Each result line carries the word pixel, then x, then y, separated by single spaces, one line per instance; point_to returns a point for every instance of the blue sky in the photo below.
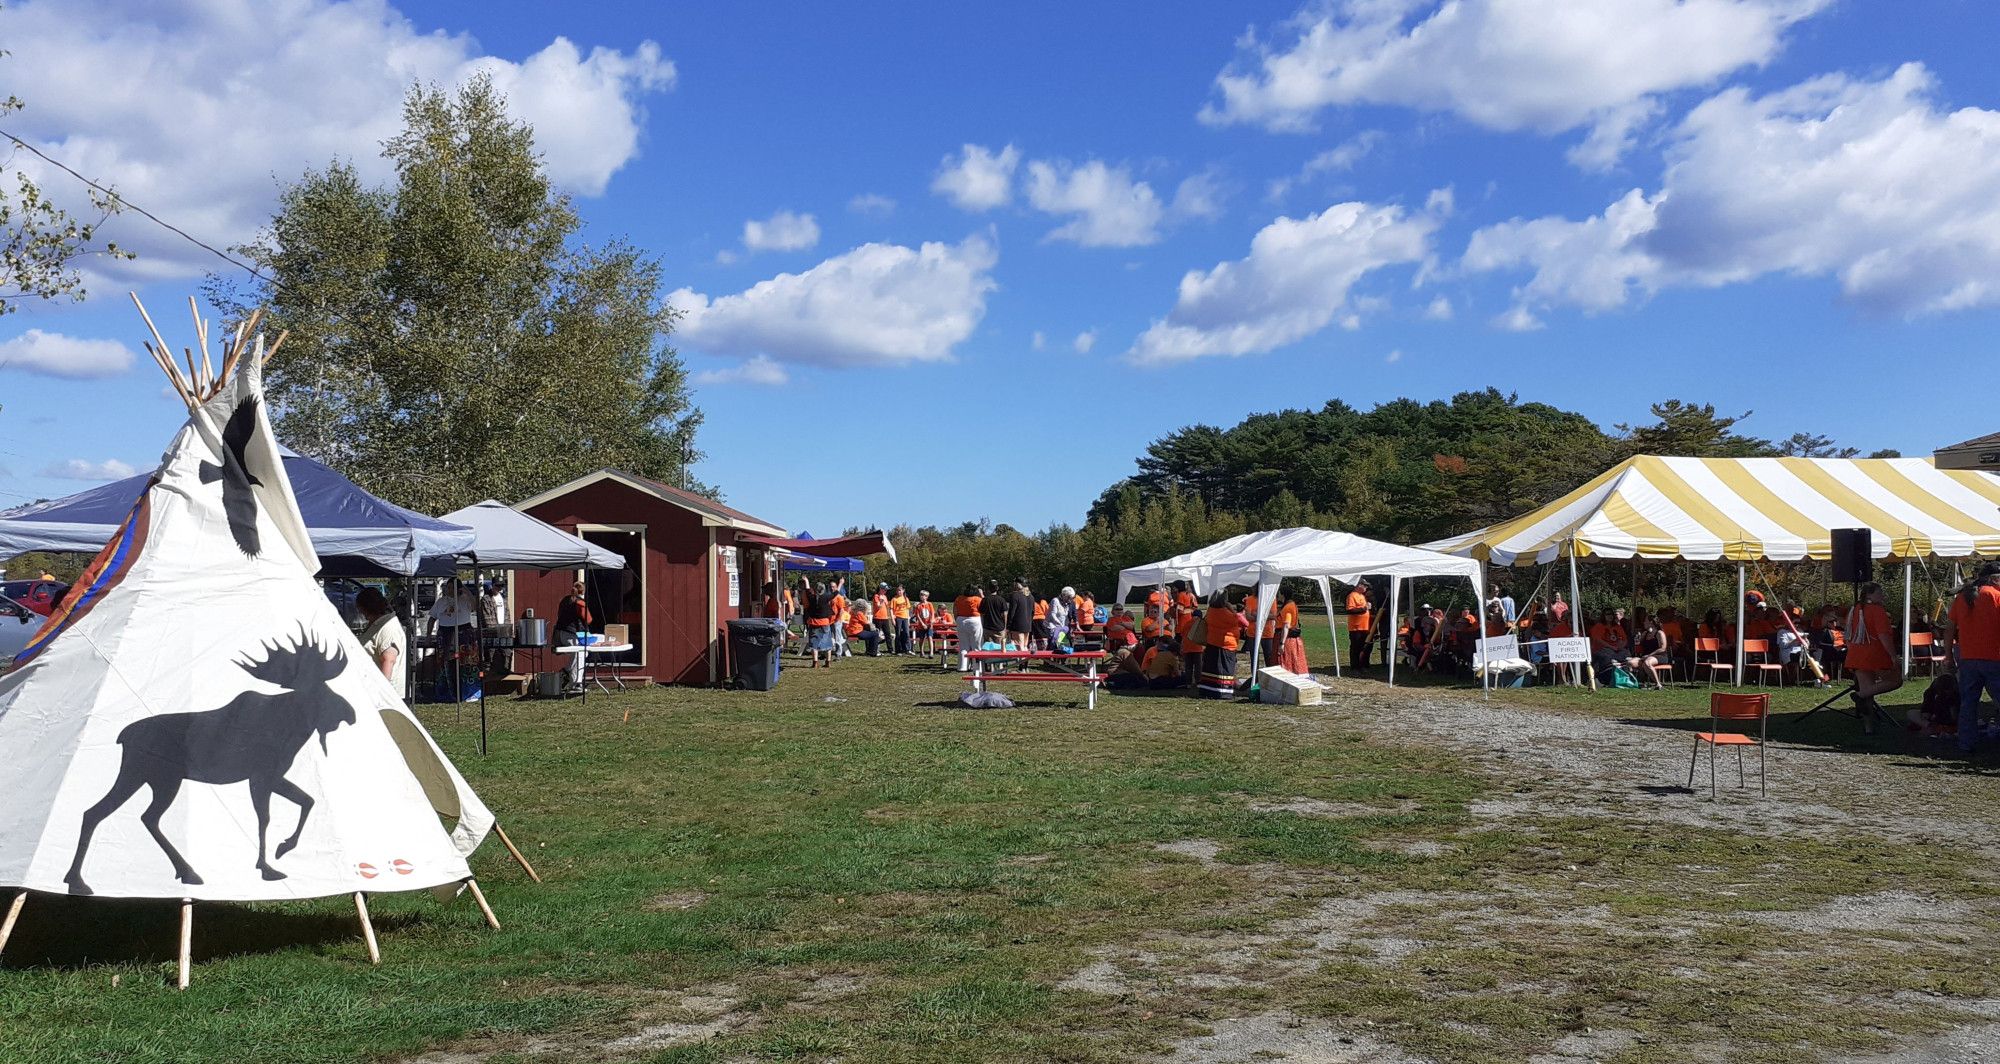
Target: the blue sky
pixel 1083 228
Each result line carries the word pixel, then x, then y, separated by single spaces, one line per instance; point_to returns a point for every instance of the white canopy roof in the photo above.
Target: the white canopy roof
pixel 1261 559
pixel 506 538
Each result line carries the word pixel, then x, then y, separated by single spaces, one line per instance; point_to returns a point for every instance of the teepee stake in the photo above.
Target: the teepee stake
pixel 504 840
pixel 187 939
pixel 473 885
pixel 367 928
pixel 13 914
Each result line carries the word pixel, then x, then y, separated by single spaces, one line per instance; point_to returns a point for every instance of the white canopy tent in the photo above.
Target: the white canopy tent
pixel 506 538
pixel 1262 559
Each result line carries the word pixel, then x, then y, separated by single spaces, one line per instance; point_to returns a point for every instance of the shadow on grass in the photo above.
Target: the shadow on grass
pixel 62 932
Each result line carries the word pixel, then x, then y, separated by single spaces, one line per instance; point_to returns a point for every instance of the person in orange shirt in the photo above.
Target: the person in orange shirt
pixel 858 627
pixel 899 616
pixel 1222 635
pixel 1267 650
pixel 1185 605
pixel 1871 654
pixel 1608 636
pixel 1156 599
pixel 1083 613
pixel 1360 619
pixel 924 622
pixel 1118 629
pixel 971 630
pixel 1975 634
pixel 1291 645
pixel 839 626
pixel 1150 626
pixel 879 609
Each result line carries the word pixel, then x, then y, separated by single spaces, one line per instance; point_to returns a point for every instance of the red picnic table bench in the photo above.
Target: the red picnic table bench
pixel 1063 662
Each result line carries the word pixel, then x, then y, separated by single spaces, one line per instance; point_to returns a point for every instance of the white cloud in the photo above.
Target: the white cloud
pixel 1544 65
pixel 783 231
pixel 1109 209
pixel 1394 356
pixel 877 305
pixel 1868 182
pixel 872 205
pixel 1338 159
pixel 978 179
pixel 55 355
pixel 1439 309
pixel 1084 341
pixel 1039 341
pixel 1199 196
pixel 196 110
pixel 1294 283
pixel 83 469
pixel 759 369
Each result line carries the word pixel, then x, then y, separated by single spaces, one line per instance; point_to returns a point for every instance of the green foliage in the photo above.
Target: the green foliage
pixel 64 567
pixel 450 339
pixel 39 240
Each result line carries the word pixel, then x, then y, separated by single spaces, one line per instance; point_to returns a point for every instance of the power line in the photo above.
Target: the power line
pixel 121 202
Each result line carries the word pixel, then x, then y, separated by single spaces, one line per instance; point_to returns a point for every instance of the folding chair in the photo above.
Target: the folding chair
pixel 1763 665
pixel 1714 664
pixel 1731 707
pixel 1924 651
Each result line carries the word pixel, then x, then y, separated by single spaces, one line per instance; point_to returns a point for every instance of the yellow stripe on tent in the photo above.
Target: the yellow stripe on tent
pixel 1903 545
pixel 1773 507
pixel 1737 544
pixel 1947 516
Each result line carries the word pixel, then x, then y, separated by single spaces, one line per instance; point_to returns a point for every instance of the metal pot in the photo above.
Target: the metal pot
pixel 532 631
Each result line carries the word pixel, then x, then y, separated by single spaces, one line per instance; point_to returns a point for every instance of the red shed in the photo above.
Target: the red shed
pixel 685 575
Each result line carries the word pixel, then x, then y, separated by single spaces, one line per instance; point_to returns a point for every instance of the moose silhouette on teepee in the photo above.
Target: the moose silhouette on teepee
pixel 198 659
pixel 253 739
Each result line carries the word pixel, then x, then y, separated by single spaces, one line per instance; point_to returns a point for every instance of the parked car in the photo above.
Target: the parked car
pixel 18 624
pixel 41 596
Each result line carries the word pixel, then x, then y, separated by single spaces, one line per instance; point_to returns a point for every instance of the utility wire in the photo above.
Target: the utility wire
pixel 121 202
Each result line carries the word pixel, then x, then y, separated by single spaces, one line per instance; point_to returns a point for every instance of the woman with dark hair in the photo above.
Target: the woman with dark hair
pixel 1222 630
pixel 1291 646
pixel 819 625
pixel 1871 654
pixel 572 620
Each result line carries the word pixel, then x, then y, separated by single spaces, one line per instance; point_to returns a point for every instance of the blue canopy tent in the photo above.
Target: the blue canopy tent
pixel 355 533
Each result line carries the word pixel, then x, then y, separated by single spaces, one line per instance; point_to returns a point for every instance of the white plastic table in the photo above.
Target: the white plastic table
pixel 597 677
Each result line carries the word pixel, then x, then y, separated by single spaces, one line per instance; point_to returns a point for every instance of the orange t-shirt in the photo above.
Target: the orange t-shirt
pixel 1869 637
pixel 855 622
pixel 1224 627
pixel 1041 609
pixel 1608 637
pixel 1977 624
pixel 966 605
pixel 899 607
pixel 1288 617
pixel 881 603
pixel 1156 597
pixel 839 605
pixel 1357 622
pixel 1086 610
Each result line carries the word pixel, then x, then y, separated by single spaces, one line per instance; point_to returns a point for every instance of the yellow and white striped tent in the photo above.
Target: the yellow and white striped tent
pixel 1751 509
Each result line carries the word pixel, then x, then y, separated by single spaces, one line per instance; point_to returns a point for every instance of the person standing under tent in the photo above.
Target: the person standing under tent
pixel 1975 634
pixel 1186 621
pixel 819 624
pixel 1360 619
pixel 384 639
pixel 1291 644
pixel 1871 654
pixel 966 614
pixel 899 623
pixel 453 616
pixel 1222 631
pixel 572 620
pixel 842 632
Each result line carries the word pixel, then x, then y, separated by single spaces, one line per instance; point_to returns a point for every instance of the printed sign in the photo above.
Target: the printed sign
pixel 1570 650
pixel 1496 648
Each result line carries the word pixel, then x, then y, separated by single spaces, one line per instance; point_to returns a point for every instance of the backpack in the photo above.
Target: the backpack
pixel 1621 677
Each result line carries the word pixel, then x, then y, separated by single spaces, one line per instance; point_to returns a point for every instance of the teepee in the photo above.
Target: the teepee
pixel 196 722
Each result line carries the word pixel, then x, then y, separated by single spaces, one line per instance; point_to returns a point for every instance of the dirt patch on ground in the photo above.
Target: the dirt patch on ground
pixel 678 1018
pixel 1203 850
pixel 1282 1036
pixel 1316 807
pixel 678 901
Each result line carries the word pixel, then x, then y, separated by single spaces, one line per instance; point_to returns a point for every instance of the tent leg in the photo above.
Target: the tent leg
pixel 367 928
pixel 1907 577
pixel 491 920
pixel 1740 591
pixel 1332 626
pixel 516 851
pixel 187 941
pixel 13 914
pixel 1395 601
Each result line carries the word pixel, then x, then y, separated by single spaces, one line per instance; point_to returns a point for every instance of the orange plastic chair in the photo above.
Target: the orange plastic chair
pixel 1730 707
pixel 1924 651
pixel 1760 649
pixel 1714 664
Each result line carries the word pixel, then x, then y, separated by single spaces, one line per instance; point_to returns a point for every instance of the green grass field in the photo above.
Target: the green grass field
pixel 844 869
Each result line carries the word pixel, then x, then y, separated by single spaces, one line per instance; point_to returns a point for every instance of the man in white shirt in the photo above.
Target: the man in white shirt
pixel 384 639
pixel 453 614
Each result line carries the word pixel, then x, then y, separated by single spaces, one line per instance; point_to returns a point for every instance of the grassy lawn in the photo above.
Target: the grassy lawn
pixel 844 869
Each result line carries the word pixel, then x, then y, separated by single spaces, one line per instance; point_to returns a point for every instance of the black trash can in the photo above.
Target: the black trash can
pixel 755 645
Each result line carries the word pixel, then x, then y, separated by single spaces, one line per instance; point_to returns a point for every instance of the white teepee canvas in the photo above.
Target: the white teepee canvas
pixel 198 722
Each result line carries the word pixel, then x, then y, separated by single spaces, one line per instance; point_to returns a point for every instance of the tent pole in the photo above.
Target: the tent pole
pixel 1906 619
pixel 13 914
pixel 473 885
pixel 515 850
pixel 1740 590
pixel 1395 601
pixel 367 928
pixel 1479 610
pixel 479 667
pixel 1578 624
pixel 187 936
pixel 1326 595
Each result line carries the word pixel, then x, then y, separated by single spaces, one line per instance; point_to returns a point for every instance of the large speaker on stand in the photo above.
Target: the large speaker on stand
pixel 1853 555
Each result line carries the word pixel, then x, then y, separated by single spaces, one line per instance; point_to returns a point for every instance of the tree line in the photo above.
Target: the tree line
pixel 1405 472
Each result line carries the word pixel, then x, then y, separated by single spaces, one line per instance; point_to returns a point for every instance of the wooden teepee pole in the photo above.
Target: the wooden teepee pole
pixel 473 885
pixel 165 355
pixel 511 848
pixel 13 914
pixel 367 928
pixel 187 940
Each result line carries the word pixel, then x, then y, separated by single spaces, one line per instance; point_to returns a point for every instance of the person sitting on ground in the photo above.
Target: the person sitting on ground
pixel 1650 650
pixel 1872 650
pixel 1162 665
pixel 1127 671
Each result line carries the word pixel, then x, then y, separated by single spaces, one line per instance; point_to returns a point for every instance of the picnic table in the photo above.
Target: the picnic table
pixel 1069 667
